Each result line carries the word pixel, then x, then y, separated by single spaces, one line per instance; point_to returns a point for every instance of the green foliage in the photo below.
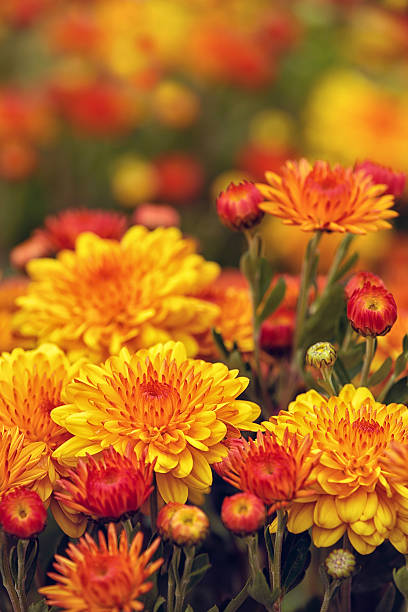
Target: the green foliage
pixel 398 392
pixel 321 325
pixel 387 601
pixel 201 565
pixel 296 558
pixel 381 374
pixel 273 300
pixel 259 590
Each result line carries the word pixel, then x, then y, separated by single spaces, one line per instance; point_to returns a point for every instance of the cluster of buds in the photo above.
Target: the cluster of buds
pixel 371 309
pixel 182 525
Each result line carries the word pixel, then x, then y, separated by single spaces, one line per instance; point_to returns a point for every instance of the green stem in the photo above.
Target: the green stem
pixel 305 282
pixel 8 581
pixel 369 354
pixel 328 594
pixel 386 388
pixel 334 268
pixel 21 572
pixel 277 554
pixel 181 587
pixel 173 578
pixel 327 374
pixel 345 587
pixel 239 599
pixel 128 527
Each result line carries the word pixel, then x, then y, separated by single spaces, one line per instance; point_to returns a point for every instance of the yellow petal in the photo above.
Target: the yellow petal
pixel 327 537
pixel 300 517
pixel 351 508
pixel 359 544
pixel 325 513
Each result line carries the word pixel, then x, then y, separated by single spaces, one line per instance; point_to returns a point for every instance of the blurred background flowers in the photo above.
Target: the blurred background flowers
pixel 115 105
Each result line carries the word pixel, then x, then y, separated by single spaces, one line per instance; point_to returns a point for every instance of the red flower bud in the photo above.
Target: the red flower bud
pixel 372 310
pixel 22 513
pixel 238 206
pixel 243 513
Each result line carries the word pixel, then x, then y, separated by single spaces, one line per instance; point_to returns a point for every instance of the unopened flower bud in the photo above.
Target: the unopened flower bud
pixel 164 517
pixel 358 280
pixel 238 206
pixel 243 513
pixel 22 513
pixel 321 355
pixel 188 526
pixel 340 563
pixel 372 310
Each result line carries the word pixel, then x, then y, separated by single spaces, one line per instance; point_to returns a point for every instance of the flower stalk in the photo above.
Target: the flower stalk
pixel 277 555
pixel 182 584
pixel 369 354
pixel 6 575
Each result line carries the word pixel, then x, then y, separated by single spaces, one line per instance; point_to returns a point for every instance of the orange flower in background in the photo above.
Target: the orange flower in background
pixel 372 310
pixel 351 435
pixel 175 409
pixel 11 288
pixel 108 294
pixel 382 175
pixel 104 575
pixel 180 177
pixel 276 471
pixel 156 215
pixel 61 231
pixel 108 487
pixel 328 199
pixel 22 513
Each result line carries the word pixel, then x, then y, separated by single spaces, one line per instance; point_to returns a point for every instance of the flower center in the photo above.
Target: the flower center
pixel 365 426
pixel 326 182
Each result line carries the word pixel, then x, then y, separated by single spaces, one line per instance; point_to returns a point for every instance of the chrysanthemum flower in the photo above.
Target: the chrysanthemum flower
pixel 21 463
pixel 100 577
pixel 62 230
pixel 108 294
pixel 372 310
pixel 22 513
pixel 353 492
pixel 108 487
pixel 275 471
pixel 31 386
pixel 176 409
pixel 382 175
pixel 243 513
pixel 329 199
pixel 10 289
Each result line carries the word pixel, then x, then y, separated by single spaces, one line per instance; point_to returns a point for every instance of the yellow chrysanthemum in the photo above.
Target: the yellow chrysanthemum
pixel 176 408
pixel 10 289
pixel 108 294
pixel 328 199
pixel 354 494
pixel 31 385
pixel 20 463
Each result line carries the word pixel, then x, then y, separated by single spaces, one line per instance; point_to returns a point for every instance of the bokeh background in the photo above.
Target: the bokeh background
pixel 115 103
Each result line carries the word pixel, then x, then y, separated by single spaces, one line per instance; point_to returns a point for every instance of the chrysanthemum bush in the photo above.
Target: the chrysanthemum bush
pixel 164 405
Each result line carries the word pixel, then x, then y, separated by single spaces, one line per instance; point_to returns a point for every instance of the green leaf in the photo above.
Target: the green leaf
pixel 398 392
pixel 189 608
pixel 214 609
pixel 247 267
pixel 260 591
pixel 201 565
pixel 158 603
pixel 381 374
pixel 273 300
pixel 401 580
pixel 295 559
pixel 219 341
pixel 405 344
pixel 264 275
pixel 321 326
pixel 387 601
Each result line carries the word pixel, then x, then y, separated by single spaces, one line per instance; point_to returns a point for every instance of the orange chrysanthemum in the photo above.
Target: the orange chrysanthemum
pixel 175 409
pixel 354 490
pixel 22 513
pixel 329 199
pixel 32 382
pixel 21 463
pixel 105 577
pixel 108 487
pixel 108 294
pixel 275 471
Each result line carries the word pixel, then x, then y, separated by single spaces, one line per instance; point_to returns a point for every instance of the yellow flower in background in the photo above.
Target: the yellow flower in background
pixel 351 118
pixel 329 199
pixel 108 294
pixel 354 490
pixel 177 410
